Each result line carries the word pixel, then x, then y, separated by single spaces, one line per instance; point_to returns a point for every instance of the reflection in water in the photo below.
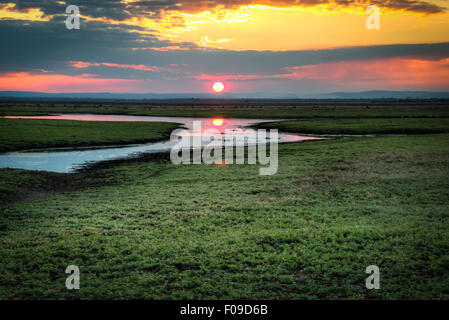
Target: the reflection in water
pixel 69 160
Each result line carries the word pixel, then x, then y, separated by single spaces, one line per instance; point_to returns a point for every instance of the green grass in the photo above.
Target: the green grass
pixel 155 230
pixel 363 126
pixel 237 110
pixel 16 134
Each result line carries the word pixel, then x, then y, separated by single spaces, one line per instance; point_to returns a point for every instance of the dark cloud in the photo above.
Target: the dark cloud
pixel 50 46
pixel 115 9
pixel 199 5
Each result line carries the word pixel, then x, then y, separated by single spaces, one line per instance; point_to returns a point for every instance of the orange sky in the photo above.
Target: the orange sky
pixel 265 25
pixel 258 27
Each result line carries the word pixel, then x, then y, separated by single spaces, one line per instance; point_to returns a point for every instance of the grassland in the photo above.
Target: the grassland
pixel 241 109
pixel 17 134
pixel 149 229
pixel 363 126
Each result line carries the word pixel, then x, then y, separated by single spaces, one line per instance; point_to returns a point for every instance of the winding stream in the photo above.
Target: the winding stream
pixel 67 160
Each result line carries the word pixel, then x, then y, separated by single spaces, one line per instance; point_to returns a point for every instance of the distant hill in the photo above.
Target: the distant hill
pixel 28 95
pixel 379 94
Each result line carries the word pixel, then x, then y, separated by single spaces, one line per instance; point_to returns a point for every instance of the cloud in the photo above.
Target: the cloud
pixel 121 10
pixel 164 25
pixel 122 54
pixel 391 71
pixel 8 11
pixel 142 67
pixel 49 46
pixel 24 81
pixel 400 73
pixel 193 6
pixel 373 72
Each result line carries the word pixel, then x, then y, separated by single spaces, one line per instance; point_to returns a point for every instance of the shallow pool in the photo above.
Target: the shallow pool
pixel 67 160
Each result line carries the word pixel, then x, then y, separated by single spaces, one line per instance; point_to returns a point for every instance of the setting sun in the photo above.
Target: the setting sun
pixel 218 86
pixel 218 122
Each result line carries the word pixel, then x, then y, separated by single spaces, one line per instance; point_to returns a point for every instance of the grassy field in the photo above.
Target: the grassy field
pixel 363 126
pixel 150 229
pixel 17 134
pixel 254 109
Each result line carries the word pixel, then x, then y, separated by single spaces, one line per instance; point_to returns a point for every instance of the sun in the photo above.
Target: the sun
pixel 218 122
pixel 218 86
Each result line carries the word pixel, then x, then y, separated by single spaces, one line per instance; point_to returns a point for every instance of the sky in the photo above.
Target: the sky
pixel 184 46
